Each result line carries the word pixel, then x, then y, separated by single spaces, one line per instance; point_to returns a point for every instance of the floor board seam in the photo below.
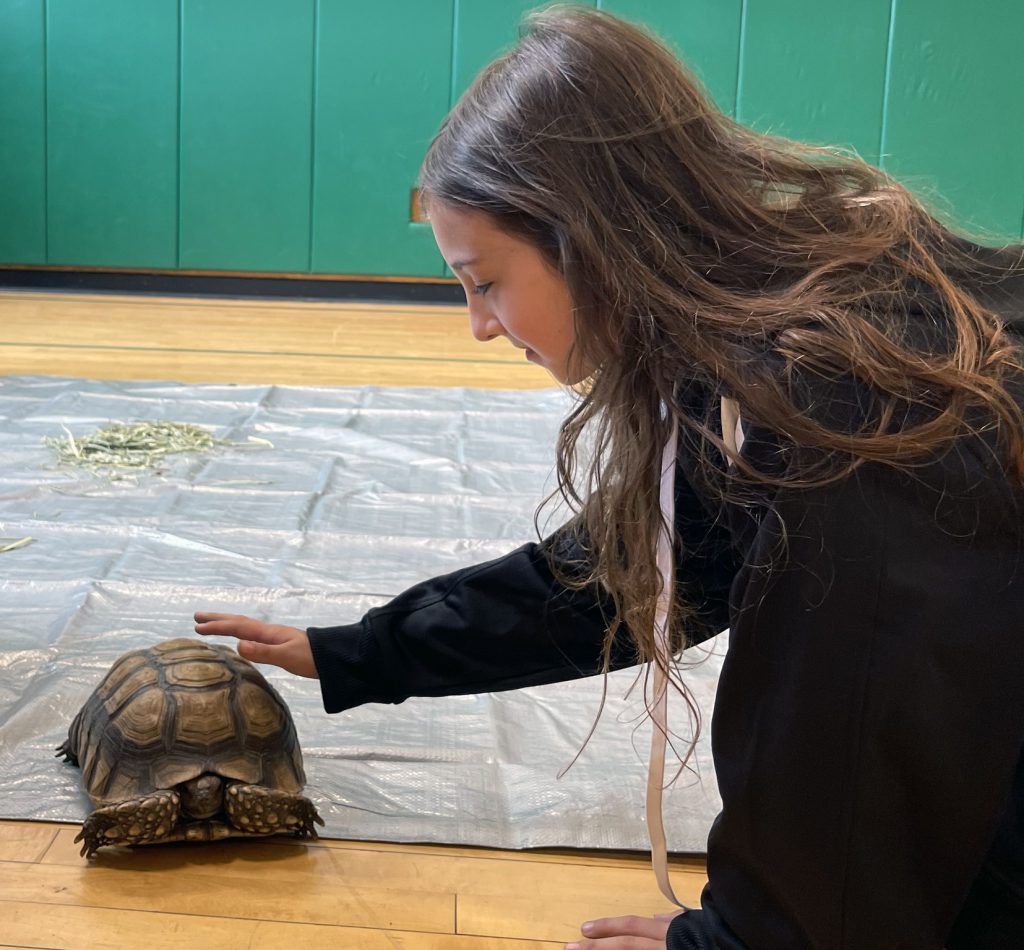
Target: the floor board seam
pixel 236 918
pixel 266 353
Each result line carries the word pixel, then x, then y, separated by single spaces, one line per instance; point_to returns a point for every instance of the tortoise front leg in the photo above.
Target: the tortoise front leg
pixel 265 811
pixel 136 821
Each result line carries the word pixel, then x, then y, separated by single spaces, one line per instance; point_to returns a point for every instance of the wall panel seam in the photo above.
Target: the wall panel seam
pixel 177 139
pixel 740 56
pixel 314 99
pixel 886 85
pixel 46 132
pixel 455 48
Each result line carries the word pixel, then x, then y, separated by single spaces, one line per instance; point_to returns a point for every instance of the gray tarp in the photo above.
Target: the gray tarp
pixel 365 491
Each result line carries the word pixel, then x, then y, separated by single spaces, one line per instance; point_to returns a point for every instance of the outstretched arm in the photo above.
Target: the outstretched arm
pixel 500 625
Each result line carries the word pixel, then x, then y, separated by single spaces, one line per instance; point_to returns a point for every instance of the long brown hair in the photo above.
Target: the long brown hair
pixel 696 249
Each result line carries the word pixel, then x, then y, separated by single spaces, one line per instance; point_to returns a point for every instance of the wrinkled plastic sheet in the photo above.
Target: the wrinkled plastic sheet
pixel 364 492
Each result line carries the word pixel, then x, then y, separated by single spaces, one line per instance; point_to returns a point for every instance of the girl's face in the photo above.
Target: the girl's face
pixel 511 289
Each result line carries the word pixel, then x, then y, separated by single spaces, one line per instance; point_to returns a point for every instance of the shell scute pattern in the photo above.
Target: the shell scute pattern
pixel 199 674
pixel 127 686
pixel 144 720
pixel 262 716
pixel 206 720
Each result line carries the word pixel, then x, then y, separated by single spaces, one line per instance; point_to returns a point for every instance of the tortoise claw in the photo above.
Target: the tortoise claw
pixel 64 749
pixel 308 815
pixel 96 833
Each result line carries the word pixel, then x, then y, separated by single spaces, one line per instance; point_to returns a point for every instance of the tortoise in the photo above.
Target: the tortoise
pixel 187 741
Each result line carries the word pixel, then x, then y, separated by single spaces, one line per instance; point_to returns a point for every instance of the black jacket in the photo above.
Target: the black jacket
pixel 869 724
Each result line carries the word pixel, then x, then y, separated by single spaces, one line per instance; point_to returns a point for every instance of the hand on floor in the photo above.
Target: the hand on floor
pixel 259 642
pixel 625 933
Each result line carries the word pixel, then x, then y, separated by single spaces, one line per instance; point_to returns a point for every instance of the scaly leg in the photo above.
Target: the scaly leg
pixel 259 810
pixel 136 821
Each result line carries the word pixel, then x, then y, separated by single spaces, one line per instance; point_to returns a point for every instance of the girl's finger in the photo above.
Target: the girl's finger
pixel 227 627
pixel 256 652
pixel 205 616
pixel 632 926
pixel 244 628
pixel 617 943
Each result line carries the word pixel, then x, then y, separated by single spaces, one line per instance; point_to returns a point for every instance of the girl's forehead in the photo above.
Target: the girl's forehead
pixel 466 237
pixel 462 222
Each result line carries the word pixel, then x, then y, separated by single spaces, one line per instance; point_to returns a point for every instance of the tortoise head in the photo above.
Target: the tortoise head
pixel 203 796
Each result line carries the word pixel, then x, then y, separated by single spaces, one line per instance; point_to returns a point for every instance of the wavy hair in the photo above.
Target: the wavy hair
pixel 697 249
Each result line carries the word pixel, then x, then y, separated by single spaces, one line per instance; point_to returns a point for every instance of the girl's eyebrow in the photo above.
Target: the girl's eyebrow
pixel 458 265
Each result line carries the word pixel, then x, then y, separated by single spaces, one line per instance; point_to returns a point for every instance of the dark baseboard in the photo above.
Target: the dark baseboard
pixel 214 285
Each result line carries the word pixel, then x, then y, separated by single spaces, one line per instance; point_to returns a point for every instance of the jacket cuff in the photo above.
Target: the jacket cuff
pixel 339 652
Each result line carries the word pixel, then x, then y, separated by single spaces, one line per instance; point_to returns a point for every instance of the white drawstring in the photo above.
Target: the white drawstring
pixel 732 427
pixel 732 435
pixel 663 649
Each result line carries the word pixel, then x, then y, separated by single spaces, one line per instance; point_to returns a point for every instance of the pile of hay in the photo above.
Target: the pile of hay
pixel 138 445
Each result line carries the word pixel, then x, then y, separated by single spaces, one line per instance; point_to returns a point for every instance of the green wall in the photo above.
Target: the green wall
pixel 284 136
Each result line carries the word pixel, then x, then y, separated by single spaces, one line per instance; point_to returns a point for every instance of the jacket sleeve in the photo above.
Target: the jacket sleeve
pixel 870 714
pixel 509 623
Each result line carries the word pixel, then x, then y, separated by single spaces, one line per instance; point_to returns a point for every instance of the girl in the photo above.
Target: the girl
pixel 834 380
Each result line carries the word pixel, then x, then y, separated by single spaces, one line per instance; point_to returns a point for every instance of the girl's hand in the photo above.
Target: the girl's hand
pixel 286 647
pixel 625 933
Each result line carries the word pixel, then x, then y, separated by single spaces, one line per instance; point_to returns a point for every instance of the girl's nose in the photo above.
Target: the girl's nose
pixel 483 324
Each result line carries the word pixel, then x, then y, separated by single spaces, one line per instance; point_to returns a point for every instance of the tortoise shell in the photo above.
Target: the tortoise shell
pixel 165 715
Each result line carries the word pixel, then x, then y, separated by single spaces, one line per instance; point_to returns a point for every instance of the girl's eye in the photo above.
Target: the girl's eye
pixel 481 289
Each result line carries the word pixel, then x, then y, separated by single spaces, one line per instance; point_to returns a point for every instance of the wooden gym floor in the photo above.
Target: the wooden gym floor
pixel 273 894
